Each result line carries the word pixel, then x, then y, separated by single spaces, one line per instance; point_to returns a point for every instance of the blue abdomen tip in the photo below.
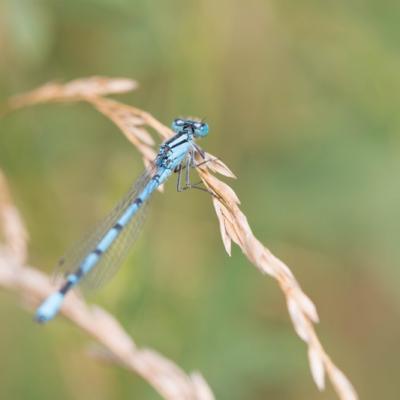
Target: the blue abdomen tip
pixel 49 308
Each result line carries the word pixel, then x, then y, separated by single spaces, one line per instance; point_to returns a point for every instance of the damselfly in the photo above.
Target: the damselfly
pixel 97 257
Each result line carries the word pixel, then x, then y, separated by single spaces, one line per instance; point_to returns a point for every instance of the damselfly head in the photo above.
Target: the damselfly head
pixel 197 128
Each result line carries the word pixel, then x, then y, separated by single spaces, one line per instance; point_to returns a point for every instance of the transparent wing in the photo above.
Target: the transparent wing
pixel 112 258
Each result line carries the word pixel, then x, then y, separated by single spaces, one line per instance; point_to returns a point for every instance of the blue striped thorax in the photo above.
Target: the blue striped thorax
pixel 173 151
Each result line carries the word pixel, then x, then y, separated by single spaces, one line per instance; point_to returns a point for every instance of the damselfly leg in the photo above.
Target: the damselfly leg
pixel 189 164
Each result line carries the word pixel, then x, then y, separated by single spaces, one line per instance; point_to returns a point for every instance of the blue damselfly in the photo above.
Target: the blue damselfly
pixel 98 256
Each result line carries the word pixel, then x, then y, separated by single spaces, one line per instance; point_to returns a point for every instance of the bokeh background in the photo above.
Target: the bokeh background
pixel 302 99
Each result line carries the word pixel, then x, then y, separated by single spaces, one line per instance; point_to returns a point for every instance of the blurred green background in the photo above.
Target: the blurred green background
pixel 302 100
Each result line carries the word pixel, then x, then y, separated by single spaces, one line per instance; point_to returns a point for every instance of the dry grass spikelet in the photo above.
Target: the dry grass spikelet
pixel 76 90
pixel 234 227
pixel 14 232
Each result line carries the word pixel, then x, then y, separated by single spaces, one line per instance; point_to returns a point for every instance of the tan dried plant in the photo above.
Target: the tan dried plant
pixel 134 124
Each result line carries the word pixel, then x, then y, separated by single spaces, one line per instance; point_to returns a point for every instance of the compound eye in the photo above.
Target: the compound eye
pixel 178 122
pixel 202 130
pixel 178 125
